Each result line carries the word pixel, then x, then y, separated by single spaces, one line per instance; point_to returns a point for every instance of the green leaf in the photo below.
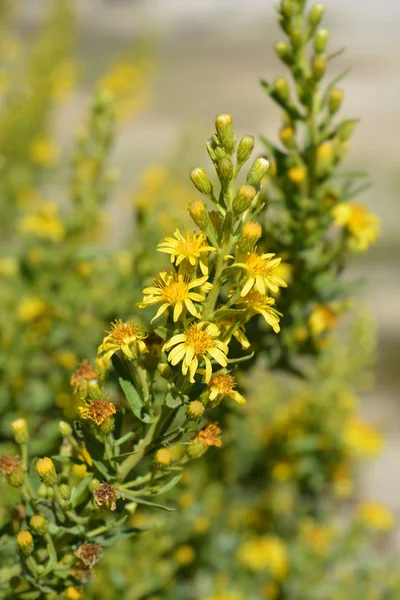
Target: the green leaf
pixel 173 400
pixel 134 400
pixel 168 486
pixel 101 468
pixel 139 500
pixel 125 438
pixel 79 489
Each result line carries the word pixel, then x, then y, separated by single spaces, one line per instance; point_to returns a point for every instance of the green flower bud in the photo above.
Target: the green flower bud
pixel 257 171
pixel 107 425
pixel 201 181
pixel 25 542
pixel 20 430
pixel 315 15
pixel 165 370
pixel 46 471
pixel 195 410
pixel 324 156
pixel 281 89
pixel 39 524
pixel 16 478
pixel 245 148
pixel 345 130
pixel 42 491
pixel 288 8
pixel 287 137
pixel 93 485
pixel 243 199
pixel 225 170
pixel 224 128
pixel 321 40
pixel 318 66
pixel 296 38
pixel 65 429
pixel 335 100
pixel 283 51
pixel 64 491
pixel 196 449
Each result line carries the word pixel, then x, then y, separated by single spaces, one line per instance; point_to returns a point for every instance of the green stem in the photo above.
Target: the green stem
pixel 213 295
pixel 133 460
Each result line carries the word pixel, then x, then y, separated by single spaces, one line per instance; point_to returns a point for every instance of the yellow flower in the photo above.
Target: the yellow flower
pixel 317 536
pixel 97 410
pixel 127 337
pixel 45 224
pixel 267 553
pixel 192 249
pixel 209 435
pixel 343 484
pixel 260 273
pixel 263 305
pixel 282 471
pixel 193 346
pixel 361 439
pixel 31 309
pixel 185 554
pixel 222 385
pixel 362 225
pixel 376 516
pixel 65 358
pixel 25 542
pixel 321 319
pixel 43 152
pixel 122 79
pixel 73 593
pixel 8 266
pixel 173 289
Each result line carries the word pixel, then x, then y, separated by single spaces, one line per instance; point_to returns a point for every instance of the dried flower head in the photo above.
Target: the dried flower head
pixel 97 410
pixel 9 464
pixel 83 376
pixel 209 435
pixel 89 554
pixel 106 495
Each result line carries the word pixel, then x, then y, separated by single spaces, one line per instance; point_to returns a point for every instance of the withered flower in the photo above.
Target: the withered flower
pixel 106 495
pixel 89 554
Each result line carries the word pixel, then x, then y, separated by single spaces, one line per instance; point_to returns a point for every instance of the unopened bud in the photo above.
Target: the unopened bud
pixel 346 129
pixel 73 593
pixel 25 542
pixel 297 174
pixel 39 524
pixel 42 491
pixel 195 410
pixel 20 430
pixel 224 128
pixel 201 181
pixel 225 170
pixel 288 8
pixel 287 137
pixel 162 459
pixel 107 425
pixel 257 171
pixel 251 233
pixel 243 199
pixel 318 66
pixel 64 491
pixel 321 40
pixel 283 51
pixel 315 15
pixel 16 478
pixel 165 370
pixel 65 429
pixel 196 449
pixel 335 100
pixel 94 484
pixel 296 37
pixel 324 159
pixel 245 148
pixel 281 88
pixel 46 471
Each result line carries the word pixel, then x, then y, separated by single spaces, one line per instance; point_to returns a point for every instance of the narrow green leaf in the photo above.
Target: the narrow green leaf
pixel 168 486
pixel 79 489
pixel 134 400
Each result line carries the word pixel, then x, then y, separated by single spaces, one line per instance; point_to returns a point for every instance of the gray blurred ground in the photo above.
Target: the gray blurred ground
pixel 210 55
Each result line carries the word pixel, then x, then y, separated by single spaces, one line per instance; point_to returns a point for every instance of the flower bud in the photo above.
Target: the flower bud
pixel 46 471
pixel 12 469
pixel 42 491
pixel 318 66
pixel 201 181
pixel 20 430
pixel 196 449
pixel 320 40
pixel 243 199
pixel 288 8
pixel 16 478
pixel 296 37
pixel 25 542
pixel 107 425
pixel 73 593
pixel 324 159
pixel 195 410
pixel 39 524
pixel 281 88
pixel 346 129
pixel 224 128
pixel 162 459
pixel 297 174
pixel 94 484
pixel 65 429
pixel 335 100
pixel 287 137
pixel 198 211
pixel 225 170
pixel 315 15
pixel 283 51
pixel 64 491
pixel 257 171
pixel 245 148
pixel 251 233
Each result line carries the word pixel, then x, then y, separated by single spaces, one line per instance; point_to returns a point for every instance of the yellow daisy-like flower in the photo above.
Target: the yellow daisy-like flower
pixel 44 224
pixel 259 273
pixel 44 152
pixel 376 516
pixel 362 225
pixel 267 553
pixel 127 337
pixel 263 305
pixel 193 346
pixel 222 385
pixel 192 249
pixel 173 289
pixel 322 319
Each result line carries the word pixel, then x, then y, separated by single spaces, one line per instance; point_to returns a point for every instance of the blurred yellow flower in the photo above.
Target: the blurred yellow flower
pixel 361 439
pixel 8 266
pixel 322 319
pixel 44 224
pixel 282 471
pixel 376 516
pixel 362 225
pixel 66 359
pixel 185 554
pixel 343 484
pixel 30 309
pixel 318 536
pixel 267 553
pixel 44 152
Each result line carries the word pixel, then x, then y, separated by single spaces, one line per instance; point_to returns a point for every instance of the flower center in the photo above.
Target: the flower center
pixel 223 382
pixel 125 333
pixel 199 340
pixel 256 265
pixel 176 291
pixel 188 247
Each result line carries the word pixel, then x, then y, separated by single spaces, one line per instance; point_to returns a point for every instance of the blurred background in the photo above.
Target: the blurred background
pixel 208 57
